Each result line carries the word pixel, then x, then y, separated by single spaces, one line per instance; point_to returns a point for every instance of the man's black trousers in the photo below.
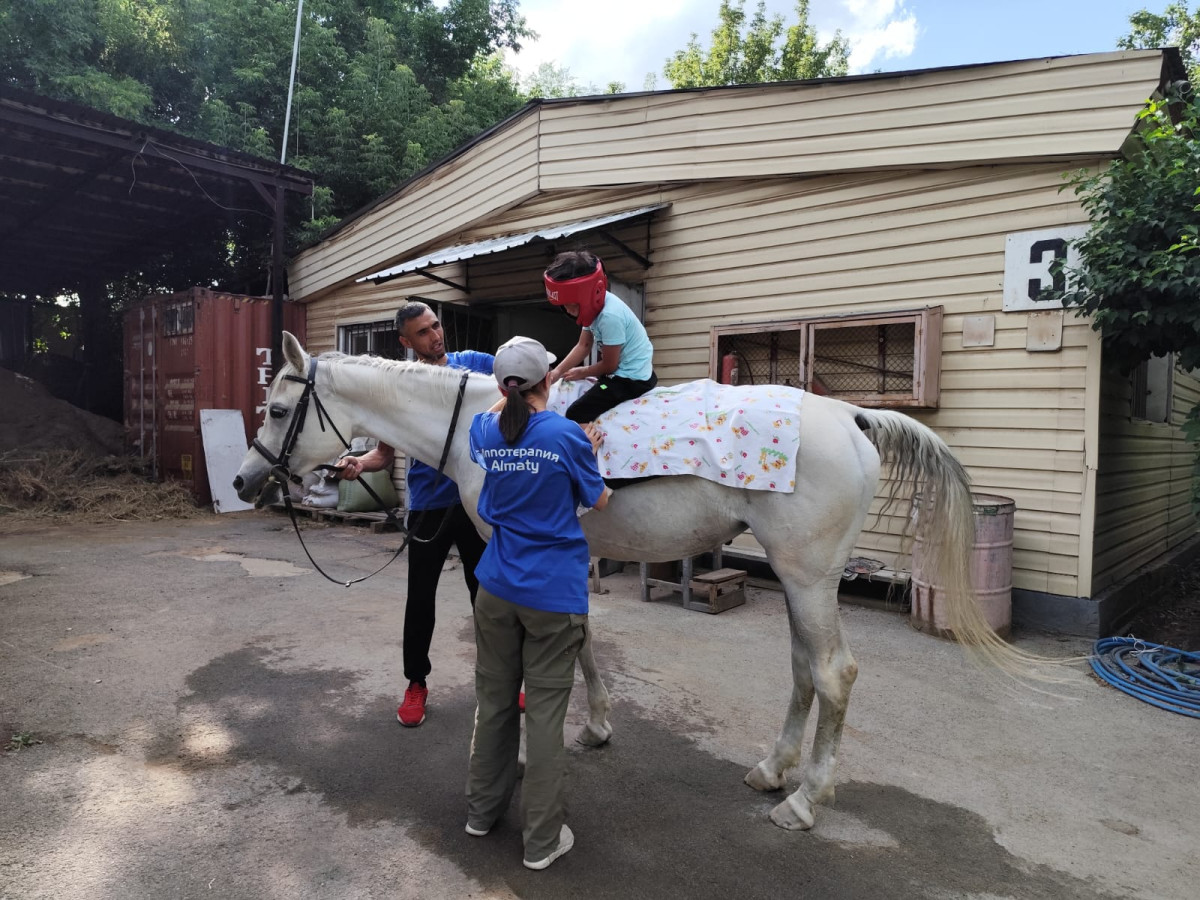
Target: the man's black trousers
pixel 425 561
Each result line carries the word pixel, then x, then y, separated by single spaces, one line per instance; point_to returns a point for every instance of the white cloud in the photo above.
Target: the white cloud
pixel 619 42
pixel 627 39
pixel 879 30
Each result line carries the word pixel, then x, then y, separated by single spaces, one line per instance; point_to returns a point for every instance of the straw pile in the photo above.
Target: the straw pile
pixel 60 462
pixel 73 485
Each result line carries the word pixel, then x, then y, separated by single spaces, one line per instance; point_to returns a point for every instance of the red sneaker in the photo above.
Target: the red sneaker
pixel 521 701
pixel 412 711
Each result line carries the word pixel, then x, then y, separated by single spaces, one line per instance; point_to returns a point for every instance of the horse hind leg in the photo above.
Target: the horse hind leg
pixel 822 665
pixel 597 731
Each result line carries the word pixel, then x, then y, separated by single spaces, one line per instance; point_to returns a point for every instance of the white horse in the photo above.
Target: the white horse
pixel 807 534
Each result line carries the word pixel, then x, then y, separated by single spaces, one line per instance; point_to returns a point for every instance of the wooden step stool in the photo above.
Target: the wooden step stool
pixel 718 591
pixel 713 592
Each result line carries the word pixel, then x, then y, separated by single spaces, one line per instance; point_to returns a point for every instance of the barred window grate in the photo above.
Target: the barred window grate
pixel 373 338
pixel 765 358
pixel 865 359
pixel 465 329
pixel 884 359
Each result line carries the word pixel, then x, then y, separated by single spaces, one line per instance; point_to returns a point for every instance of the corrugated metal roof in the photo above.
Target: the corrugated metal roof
pixel 460 252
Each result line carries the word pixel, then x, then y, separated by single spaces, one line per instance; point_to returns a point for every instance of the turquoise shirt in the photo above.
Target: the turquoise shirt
pixel 617 326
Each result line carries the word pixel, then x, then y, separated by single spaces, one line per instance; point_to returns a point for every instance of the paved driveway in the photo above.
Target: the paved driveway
pixel 218 721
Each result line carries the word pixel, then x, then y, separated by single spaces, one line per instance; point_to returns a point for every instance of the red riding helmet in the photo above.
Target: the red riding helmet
pixel 586 291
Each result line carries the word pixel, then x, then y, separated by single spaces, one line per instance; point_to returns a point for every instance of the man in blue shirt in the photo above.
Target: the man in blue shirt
pixel 434 500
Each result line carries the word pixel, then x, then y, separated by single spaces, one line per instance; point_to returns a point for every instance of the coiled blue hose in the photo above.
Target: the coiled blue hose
pixel 1161 676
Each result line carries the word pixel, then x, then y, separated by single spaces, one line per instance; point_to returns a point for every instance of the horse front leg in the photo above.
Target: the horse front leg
pixel 597 731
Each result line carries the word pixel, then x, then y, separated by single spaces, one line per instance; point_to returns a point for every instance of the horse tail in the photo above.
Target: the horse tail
pixel 942 517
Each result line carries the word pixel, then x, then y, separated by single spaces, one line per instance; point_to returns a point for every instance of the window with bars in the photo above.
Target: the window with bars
pixel 887 359
pixel 462 329
pixel 374 338
pixel 465 329
pixel 1152 385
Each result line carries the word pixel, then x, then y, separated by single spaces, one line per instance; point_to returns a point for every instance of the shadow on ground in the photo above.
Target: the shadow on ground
pixel 651 810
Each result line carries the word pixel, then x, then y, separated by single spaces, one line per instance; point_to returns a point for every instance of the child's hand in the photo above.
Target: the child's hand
pixel 594 434
pixel 576 374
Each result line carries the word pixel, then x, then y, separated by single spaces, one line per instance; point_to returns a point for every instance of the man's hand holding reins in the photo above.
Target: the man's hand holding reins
pixel 350 467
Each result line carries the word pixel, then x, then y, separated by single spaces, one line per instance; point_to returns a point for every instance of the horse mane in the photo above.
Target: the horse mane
pixel 444 378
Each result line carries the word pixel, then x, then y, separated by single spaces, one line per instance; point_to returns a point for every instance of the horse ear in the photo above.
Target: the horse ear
pixel 294 353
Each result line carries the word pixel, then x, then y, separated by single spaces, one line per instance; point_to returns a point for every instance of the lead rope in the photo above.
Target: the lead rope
pixel 409 533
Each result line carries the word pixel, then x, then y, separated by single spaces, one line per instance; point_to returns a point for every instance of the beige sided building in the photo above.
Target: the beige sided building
pixel 878 237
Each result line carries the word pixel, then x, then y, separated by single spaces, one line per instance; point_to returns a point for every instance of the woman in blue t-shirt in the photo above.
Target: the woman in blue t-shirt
pixel 532 604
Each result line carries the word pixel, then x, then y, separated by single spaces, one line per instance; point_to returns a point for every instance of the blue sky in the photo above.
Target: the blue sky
pixel 623 40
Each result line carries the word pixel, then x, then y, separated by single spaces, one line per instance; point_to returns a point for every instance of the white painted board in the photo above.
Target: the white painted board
pixel 223 434
pixel 1027 259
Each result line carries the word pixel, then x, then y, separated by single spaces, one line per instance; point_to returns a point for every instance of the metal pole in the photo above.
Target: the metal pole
pixel 287 116
pixel 277 247
pixel 142 382
pixel 277 283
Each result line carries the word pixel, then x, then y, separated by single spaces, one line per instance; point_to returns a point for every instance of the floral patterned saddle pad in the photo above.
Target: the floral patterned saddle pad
pixel 741 435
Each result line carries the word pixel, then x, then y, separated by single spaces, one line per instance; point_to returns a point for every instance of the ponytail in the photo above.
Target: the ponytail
pixel 515 415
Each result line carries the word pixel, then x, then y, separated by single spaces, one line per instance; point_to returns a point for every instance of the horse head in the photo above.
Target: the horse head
pixel 293 439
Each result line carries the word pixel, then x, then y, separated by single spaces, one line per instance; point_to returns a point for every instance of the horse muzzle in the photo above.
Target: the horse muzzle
pixel 257 488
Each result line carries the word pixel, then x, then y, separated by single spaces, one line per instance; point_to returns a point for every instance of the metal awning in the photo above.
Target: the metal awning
pixel 460 252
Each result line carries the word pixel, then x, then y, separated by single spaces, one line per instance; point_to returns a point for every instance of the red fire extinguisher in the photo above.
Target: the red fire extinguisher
pixel 729 368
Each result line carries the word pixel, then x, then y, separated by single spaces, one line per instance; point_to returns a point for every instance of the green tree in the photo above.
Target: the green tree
pixel 1139 271
pixel 1174 27
pixel 750 51
pixel 103 54
pixel 550 80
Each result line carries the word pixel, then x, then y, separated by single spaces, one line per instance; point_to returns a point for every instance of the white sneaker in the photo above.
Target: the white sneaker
pixel 566 840
pixel 476 832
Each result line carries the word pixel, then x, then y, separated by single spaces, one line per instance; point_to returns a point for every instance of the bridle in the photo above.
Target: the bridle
pixel 281 474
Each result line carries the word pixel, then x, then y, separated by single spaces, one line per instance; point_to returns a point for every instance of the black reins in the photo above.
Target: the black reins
pixel 281 474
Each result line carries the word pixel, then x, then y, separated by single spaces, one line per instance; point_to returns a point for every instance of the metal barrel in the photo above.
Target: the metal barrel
pixel 991 570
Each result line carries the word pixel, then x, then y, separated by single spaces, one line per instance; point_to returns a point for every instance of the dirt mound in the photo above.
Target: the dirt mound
pixel 33 419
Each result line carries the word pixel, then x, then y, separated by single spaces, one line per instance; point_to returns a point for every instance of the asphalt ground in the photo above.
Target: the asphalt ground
pixel 216 720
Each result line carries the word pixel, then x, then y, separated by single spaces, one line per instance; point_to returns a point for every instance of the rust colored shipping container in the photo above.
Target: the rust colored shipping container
pixel 197 349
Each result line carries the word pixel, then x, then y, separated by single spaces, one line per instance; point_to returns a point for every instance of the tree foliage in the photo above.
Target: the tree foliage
pixel 748 51
pixel 1174 27
pixel 1139 271
pixel 550 80
pixel 1139 276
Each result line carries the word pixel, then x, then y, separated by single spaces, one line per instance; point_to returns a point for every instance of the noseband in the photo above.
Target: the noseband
pixel 281 474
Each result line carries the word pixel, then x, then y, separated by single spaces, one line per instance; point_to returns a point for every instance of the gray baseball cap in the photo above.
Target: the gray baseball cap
pixel 522 358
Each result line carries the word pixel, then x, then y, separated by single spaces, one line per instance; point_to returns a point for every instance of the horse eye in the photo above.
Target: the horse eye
pixel 277 411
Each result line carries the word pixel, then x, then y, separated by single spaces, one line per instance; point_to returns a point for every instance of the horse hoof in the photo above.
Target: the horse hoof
pixel 794 814
pixel 594 735
pixel 826 797
pixel 759 779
